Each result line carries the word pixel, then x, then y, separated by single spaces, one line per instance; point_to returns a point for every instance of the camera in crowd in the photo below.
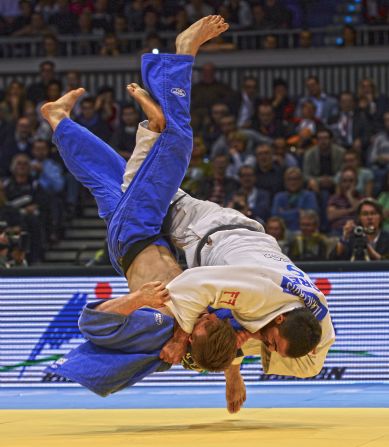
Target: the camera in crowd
pixel 16 244
pixel 359 252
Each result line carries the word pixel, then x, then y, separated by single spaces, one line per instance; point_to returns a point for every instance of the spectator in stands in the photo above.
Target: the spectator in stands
pixel 5 128
pixel 228 125
pixel 199 168
pixel 101 19
pixel 91 119
pixel 343 204
pixel 351 123
pixel 281 154
pixel 62 20
pixel 153 41
pixel 151 21
pixel 287 204
pixel 368 99
pixel 120 27
pixel 248 98
pixel 14 101
pixel 269 174
pixel 259 21
pixel 305 39
pixel 181 20
pixel 239 14
pixel 72 82
pixel 25 195
pixel 349 36
pixel 239 153
pixel 36 92
pixel 257 200
pixel 36 27
pixel 40 129
pixel 107 107
pixel 383 200
pixel 282 105
pixel 23 18
pixel 134 14
pixel 326 106
pixel 197 9
pixel 123 138
pixel 16 142
pixel 78 7
pixel 277 16
pixel 322 162
pixel 85 29
pixel 352 159
pixel 51 46
pixel 364 239
pixel 379 153
pixel 218 187
pixel 309 244
pixel 210 124
pixel 50 177
pixel 308 119
pixel 266 123
pixel 275 226
pixel 209 90
pixel 110 46
pixel 270 42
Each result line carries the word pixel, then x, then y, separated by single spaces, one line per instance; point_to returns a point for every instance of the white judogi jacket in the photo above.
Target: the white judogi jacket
pixel 247 273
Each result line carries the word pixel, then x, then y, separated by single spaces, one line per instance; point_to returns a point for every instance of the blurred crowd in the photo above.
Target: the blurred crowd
pixel 313 169
pixel 111 21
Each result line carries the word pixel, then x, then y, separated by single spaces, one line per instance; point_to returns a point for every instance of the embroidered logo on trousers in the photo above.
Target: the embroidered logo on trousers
pixel 178 91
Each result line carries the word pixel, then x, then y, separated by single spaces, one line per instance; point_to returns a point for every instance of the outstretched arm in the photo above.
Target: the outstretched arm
pixel 235 389
pixel 152 294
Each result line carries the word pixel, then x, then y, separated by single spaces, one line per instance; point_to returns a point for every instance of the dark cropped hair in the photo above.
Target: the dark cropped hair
pixel 217 349
pixel 302 331
pixel 372 202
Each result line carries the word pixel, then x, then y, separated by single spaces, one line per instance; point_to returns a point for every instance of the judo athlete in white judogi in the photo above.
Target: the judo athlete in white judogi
pixel 234 264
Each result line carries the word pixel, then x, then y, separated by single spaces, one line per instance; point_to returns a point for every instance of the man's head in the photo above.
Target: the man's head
pixel 264 156
pixel 370 214
pixel 247 177
pixel 293 334
pixel 265 114
pixel 250 86
pixel 47 71
pixel 87 107
pixel 40 150
pixel 324 139
pixel 130 115
pixel 309 222
pixel 227 124
pixel 346 102
pixel 313 86
pixel 293 179
pixel 213 343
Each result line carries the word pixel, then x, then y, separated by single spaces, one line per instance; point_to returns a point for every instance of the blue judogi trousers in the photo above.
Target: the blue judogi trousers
pixel 139 212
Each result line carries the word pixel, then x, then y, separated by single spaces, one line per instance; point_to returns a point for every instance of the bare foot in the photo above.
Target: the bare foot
pixel 151 109
pixel 190 40
pixel 56 111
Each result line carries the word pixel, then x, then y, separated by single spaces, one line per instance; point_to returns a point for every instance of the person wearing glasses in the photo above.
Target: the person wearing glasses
pixel 364 239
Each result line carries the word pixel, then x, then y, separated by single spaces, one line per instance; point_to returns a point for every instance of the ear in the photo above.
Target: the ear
pixel 190 339
pixel 279 319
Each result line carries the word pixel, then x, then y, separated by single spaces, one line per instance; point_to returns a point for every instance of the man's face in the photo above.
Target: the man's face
pixel 23 128
pixel 307 226
pixel 250 87
pixel 205 320
pixel 313 87
pixel 323 141
pixel 47 72
pixel 369 217
pixel 346 103
pixel 265 114
pixel 264 155
pixel 218 111
pixel 247 177
pixel 40 150
pixel 293 181
pixel 87 110
pixel 271 338
pixel 227 124
pixel 130 117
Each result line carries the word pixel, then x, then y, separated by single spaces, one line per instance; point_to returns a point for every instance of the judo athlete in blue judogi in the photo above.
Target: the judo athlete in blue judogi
pixel 122 349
